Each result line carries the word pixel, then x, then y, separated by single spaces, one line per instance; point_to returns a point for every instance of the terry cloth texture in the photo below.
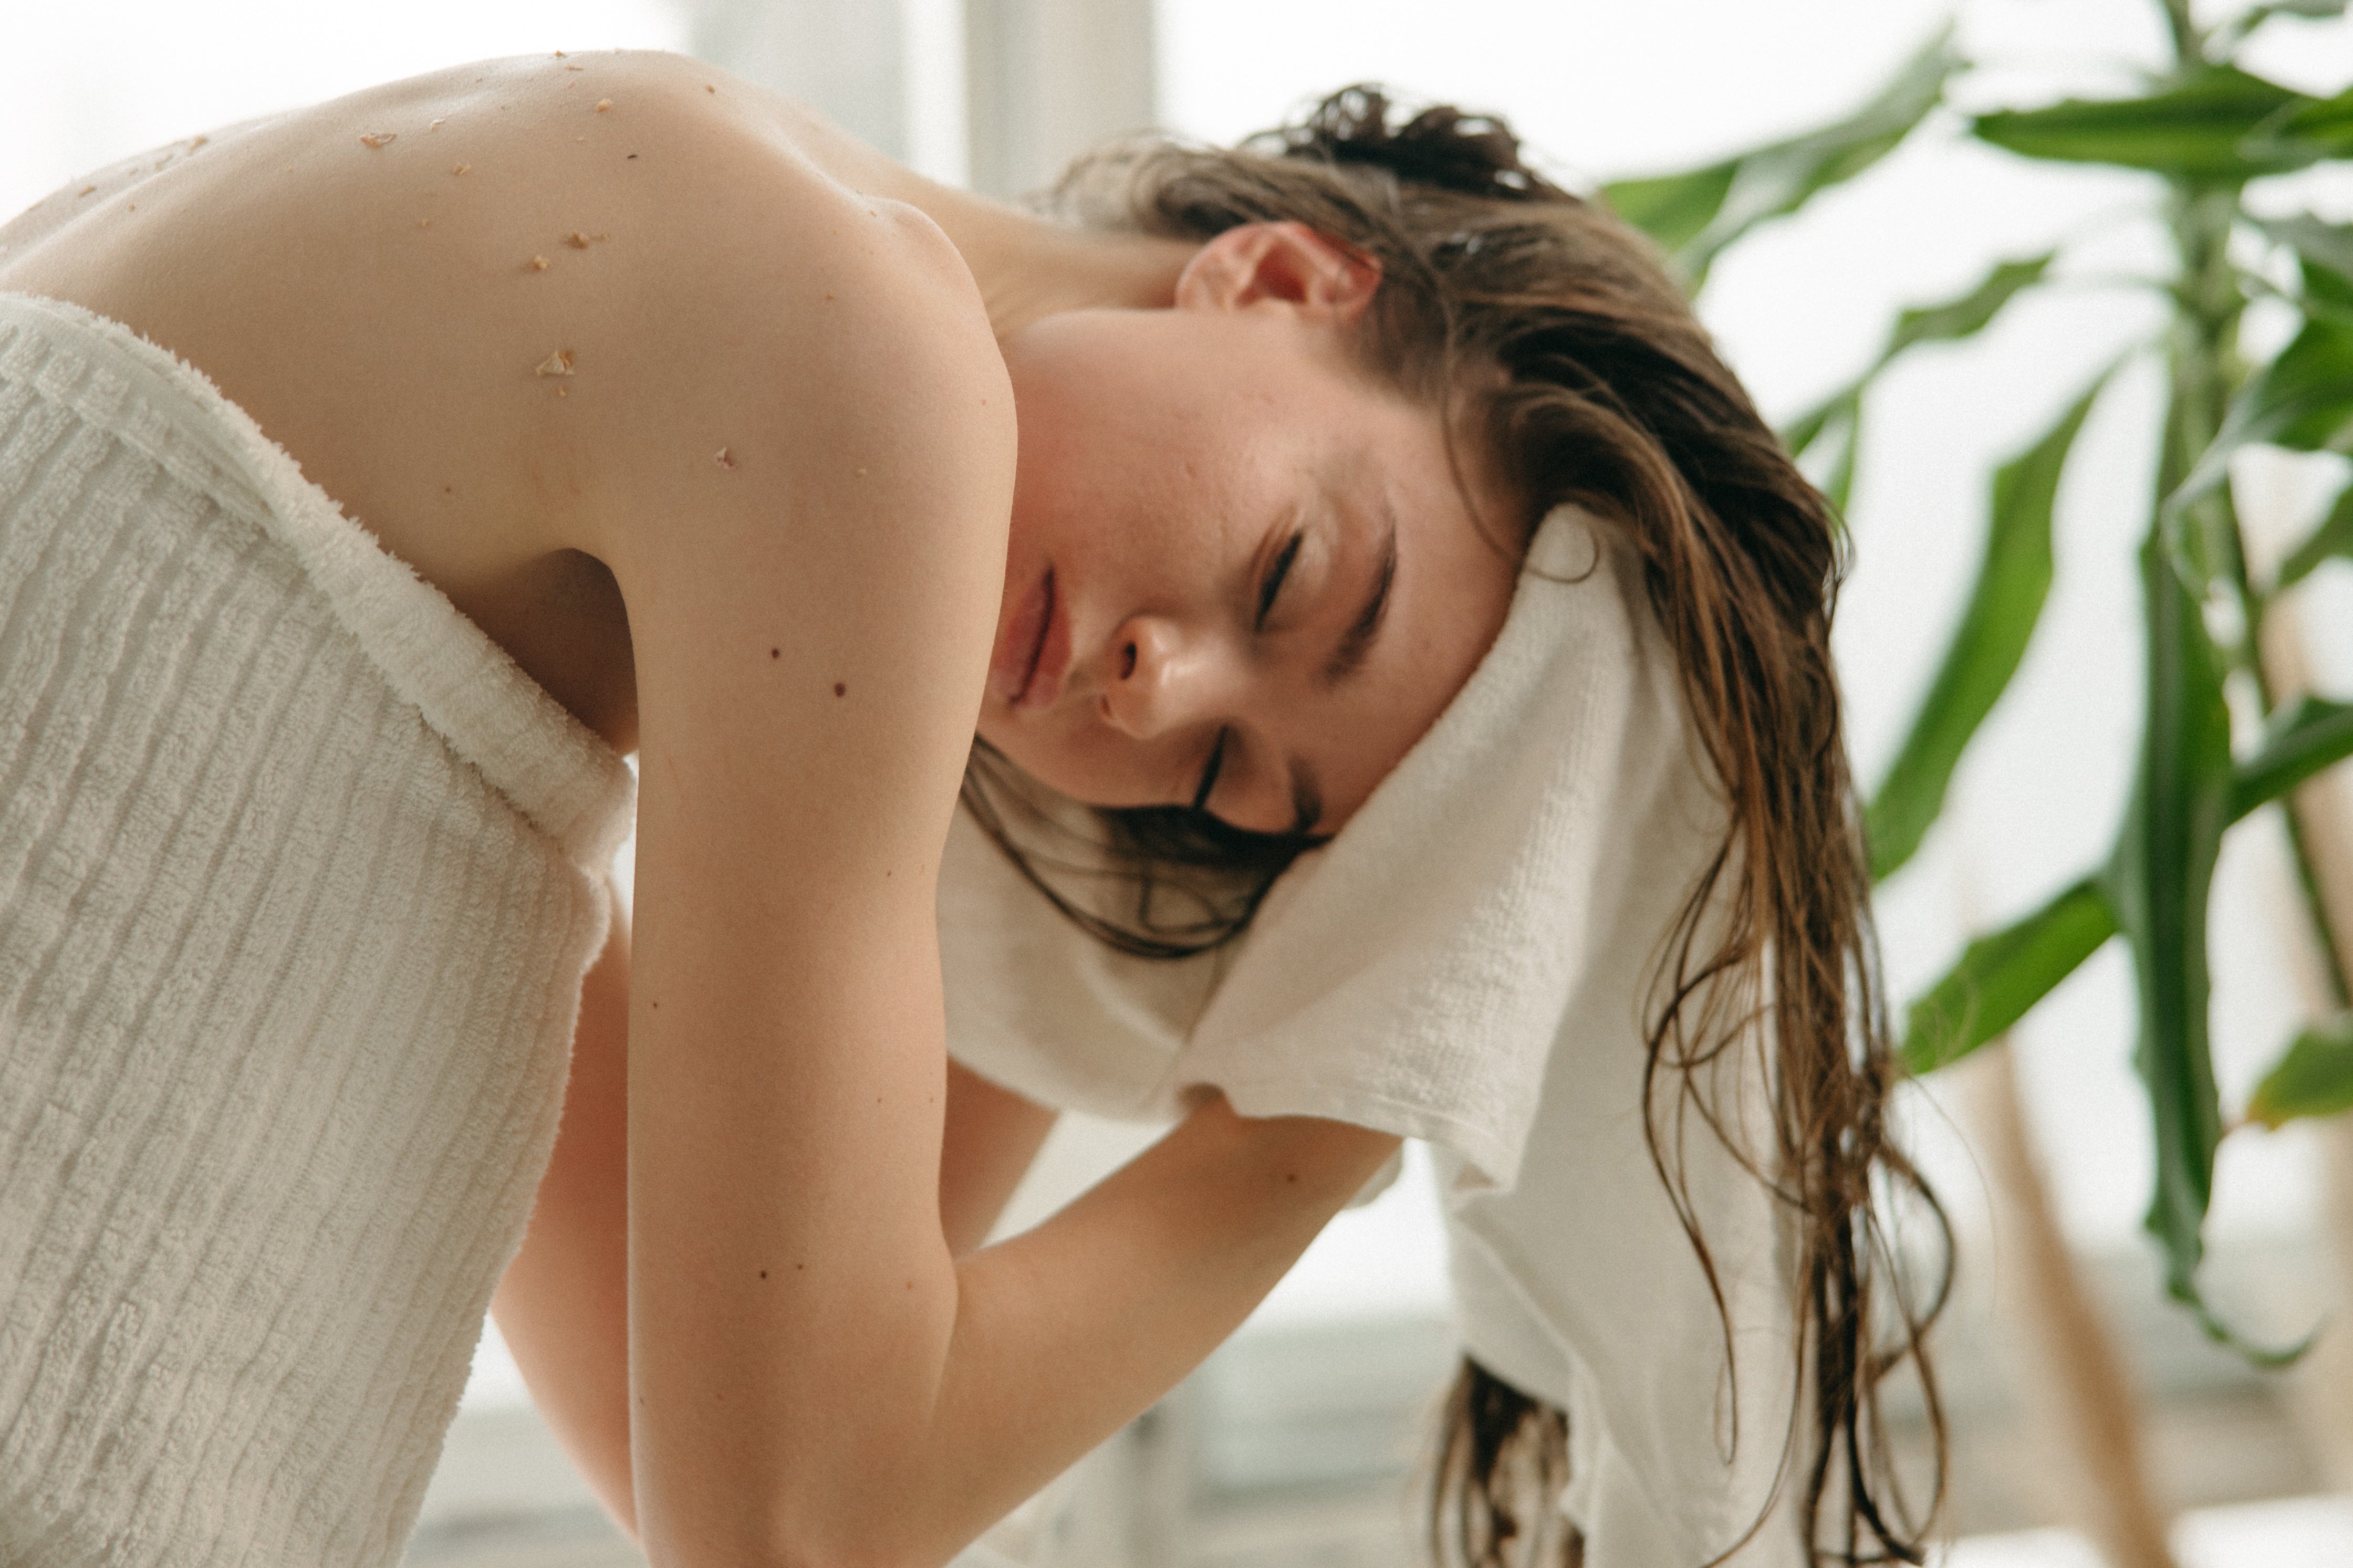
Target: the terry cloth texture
pixel 1470 962
pixel 299 876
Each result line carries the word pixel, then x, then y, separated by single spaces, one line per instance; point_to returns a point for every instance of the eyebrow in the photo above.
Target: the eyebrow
pixel 1357 642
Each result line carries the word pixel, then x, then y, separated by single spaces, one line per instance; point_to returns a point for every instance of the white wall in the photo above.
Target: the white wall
pixel 89 81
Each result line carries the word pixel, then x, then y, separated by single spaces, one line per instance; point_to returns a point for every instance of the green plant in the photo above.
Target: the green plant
pixel 2203 128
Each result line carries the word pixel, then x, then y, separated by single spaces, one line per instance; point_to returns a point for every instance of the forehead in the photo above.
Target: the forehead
pixel 1457 565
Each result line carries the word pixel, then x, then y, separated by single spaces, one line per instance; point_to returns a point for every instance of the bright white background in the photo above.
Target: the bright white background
pixel 1608 88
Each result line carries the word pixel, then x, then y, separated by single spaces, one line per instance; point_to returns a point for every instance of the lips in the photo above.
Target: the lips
pixel 1035 652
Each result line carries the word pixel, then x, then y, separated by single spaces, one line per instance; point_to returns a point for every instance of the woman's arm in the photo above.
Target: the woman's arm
pixel 815 1377
pixel 990 1140
pixel 562 1305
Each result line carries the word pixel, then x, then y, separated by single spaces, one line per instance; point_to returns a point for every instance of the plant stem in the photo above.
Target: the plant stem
pixel 2189 43
pixel 2203 365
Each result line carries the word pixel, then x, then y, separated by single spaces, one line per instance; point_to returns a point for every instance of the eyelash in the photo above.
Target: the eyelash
pixel 1273 585
pixel 1209 770
pixel 1267 593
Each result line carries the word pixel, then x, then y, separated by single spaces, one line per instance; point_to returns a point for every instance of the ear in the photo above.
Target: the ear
pixel 1280 263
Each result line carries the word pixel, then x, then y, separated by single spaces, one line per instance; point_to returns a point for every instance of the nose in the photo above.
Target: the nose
pixel 1162 677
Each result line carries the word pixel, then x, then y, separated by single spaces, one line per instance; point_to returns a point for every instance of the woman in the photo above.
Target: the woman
pixel 706 418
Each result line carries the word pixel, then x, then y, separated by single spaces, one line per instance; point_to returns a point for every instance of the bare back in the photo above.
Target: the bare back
pixel 501 314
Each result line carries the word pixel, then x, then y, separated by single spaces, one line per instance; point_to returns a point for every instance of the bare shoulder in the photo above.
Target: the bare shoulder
pixel 811 538
pixel 778 316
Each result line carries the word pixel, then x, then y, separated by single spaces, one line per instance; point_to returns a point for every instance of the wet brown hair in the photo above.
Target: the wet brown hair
pixel 1610 396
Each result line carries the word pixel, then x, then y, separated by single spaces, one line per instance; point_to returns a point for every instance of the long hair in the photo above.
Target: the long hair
pixel 1537 322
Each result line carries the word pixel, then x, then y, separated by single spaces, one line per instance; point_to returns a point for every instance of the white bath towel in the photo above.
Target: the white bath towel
pixel 1469 962
pixel 299 875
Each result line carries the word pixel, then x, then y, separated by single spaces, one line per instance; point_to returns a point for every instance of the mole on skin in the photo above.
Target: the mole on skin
pixel 839 689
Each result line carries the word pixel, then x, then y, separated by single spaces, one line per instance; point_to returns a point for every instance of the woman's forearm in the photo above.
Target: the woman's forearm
pixel 562 1304
pixel 1069 1330
pixel 1058 1338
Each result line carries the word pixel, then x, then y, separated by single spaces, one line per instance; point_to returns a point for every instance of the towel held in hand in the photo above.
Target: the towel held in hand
pixel 1471 962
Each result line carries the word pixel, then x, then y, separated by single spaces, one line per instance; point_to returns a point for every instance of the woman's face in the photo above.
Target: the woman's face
pixel 1242 574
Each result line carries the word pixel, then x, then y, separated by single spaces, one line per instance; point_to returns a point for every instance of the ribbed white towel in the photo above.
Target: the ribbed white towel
pixel 299 875
pixel 1469 962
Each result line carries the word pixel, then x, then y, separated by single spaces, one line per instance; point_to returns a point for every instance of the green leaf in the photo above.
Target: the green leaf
pixel 1840 415
pixel 1968 313
pixel 2314 1079
pixel 2301 738
pixel 2327 290
pixel 1673 208
pixel 2333 536
pixel 2318 243
pixel 1838 483
pixel 2157 884
pixel 1832 432
pixel 1782 177
pixel 1837 411
pixel 1694 215
pixel 2303 400
pixel 2308 130
pixel 2013 582
pixel 2199 131
pixel 2225 40
pixel 2000 976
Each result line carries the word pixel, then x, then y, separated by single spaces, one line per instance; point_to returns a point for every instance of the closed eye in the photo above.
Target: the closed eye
pixel 1276 575
pixel 1209 770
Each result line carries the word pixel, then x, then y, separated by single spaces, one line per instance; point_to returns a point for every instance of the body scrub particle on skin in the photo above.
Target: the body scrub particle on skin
pixel 378 137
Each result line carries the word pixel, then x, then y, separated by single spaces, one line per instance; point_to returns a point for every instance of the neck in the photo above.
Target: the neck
pixel 1027 268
